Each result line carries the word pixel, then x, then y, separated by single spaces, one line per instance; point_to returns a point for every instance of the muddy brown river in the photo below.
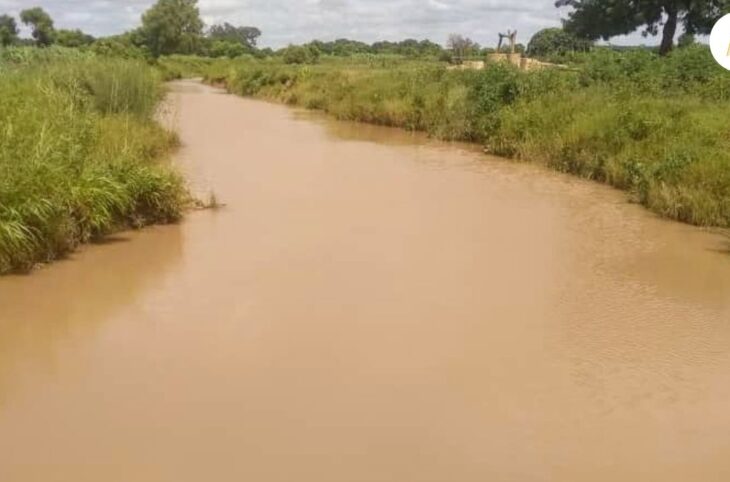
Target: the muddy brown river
pixel 370 306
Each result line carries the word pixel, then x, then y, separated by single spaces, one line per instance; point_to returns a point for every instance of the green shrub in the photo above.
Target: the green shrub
pixel 297 54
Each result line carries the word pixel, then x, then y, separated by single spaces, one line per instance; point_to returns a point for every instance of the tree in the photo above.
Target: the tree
pixel 555 41
pixel 8 30
pixel 246 36
pixel 462 46
pixel 42 25
pixel 73 38
pixel 594 19
pixel 171 26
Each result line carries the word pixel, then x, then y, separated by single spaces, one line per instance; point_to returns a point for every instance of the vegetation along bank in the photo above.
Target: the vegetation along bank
pixel 656 126
pixel 80 153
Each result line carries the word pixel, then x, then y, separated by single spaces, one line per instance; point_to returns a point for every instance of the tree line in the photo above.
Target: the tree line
pixel 176 27
pixel 168 27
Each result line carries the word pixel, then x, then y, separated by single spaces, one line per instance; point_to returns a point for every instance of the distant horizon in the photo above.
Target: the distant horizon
pixel 328 20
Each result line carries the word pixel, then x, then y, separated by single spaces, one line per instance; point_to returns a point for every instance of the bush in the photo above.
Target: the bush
pixel 224 48
pixel 117 48
pixel 296 54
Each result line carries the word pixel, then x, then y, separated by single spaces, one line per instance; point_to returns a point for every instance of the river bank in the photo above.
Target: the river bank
pixel 655 127
pixel 81 154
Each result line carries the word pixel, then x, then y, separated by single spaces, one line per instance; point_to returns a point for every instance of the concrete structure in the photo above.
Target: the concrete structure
pixel 518 60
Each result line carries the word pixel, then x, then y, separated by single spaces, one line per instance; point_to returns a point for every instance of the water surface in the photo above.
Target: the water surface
pixel 370 306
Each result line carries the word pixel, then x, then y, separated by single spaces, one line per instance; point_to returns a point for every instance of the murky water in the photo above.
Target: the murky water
pixel 371 306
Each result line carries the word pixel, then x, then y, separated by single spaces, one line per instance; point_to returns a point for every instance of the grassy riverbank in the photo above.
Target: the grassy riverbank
pixel 80 153
pixel 656 127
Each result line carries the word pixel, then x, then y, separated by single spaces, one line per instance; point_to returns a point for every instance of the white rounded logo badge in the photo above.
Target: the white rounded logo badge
pixel 720 41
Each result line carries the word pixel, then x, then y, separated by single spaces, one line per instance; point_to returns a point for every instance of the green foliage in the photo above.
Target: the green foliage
pixel 462 47
pixel 172 27
pixel 594 19
pixel 297 54
pixel 118 47
pixel 410 48
pixel 79 154
pixel 654 126
pixel 73 38
pixel 24 56
pixel 244 36
pixel 686 40
pixel 184 66
pixel 42 24
pixel 341 47
pixel 555 41
pixel 226 48
pixel 8 30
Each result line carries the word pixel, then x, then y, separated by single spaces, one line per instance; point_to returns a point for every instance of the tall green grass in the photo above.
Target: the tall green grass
pixel 656 127
pixel 80 155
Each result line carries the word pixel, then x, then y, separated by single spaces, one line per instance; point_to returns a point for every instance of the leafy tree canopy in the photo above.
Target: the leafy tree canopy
pixel 171 27
pixel 246 36
pixel 556 41
pixel 408 48
pixel 8 30
pixel 594 19
pixel 42 24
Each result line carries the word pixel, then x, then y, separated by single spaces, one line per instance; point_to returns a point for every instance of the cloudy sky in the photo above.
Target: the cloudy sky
pixel 297 21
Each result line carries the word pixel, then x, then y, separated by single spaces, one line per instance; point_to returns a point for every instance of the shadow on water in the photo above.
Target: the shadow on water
pixel 724 247
pixel 51 308
pixel 116 239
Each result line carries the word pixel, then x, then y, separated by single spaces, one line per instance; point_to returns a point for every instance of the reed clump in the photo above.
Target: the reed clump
pixel 80 154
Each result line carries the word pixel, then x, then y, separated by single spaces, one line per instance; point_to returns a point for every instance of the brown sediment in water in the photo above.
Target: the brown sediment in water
pixel 370 306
